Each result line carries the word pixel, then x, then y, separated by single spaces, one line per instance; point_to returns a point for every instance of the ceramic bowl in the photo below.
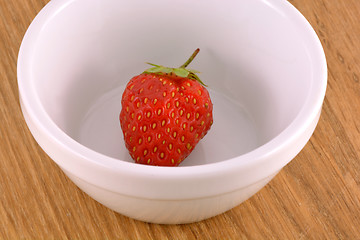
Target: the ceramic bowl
pixel 263 63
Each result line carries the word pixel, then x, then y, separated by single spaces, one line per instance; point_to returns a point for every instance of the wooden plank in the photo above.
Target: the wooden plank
pixel 317 196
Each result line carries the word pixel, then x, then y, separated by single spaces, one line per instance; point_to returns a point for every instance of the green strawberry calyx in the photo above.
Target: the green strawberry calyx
pixel 181 71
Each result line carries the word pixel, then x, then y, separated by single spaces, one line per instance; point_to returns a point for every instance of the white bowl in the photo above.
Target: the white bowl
pixel 266 72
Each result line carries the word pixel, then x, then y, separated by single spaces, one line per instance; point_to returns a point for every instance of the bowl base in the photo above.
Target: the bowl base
pixel 232 134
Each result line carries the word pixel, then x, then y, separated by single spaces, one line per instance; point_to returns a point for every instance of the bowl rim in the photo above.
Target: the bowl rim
pixel 309 111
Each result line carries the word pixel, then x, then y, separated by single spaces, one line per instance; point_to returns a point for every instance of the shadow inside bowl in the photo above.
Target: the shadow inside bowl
pixel 232 134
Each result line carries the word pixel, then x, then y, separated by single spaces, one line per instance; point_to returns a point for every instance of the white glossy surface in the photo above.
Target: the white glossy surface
pixel 264 65
pixel 169 211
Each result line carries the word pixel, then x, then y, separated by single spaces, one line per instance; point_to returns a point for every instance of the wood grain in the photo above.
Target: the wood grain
pixel 316 196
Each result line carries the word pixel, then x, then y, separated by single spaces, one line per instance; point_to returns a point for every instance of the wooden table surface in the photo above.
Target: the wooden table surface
pixel 316 196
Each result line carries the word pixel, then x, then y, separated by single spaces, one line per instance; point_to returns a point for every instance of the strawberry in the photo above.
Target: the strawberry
pixel 165 113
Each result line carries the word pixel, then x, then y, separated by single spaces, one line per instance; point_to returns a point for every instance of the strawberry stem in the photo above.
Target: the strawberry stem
pixel 190 59
pixel 180 72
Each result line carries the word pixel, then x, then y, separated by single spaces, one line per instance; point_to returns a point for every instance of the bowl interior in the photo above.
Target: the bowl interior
pixel 253 59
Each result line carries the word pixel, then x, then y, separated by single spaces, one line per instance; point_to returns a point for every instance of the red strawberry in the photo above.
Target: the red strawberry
pixel 165 112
